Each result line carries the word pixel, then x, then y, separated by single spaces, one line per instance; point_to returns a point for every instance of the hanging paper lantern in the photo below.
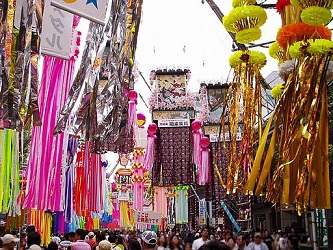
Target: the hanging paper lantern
pixel 141 119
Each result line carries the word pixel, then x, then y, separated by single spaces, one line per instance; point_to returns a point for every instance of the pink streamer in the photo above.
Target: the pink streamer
pixel 44 166
pixel 138 187
pixel 131 122
pixel 149 156
pixel 203 175
pixel 196 126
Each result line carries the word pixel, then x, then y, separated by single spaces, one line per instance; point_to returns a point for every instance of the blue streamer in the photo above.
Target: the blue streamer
pixel 234 222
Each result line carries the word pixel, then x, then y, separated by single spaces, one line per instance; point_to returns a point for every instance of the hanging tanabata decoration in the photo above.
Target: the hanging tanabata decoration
pixel 243 101
pixel 181 204
pixel 299 123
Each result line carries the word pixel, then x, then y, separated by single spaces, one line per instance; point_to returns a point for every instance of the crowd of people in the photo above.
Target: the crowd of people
pixel 133 240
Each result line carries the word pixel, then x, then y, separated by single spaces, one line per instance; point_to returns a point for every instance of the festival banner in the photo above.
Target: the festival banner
pixel 167 123
pixel 56 37
pixel 147 218
pixel 202 212
pixel 93 10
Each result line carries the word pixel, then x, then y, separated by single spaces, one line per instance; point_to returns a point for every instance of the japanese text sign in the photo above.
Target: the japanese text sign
pixel 148 218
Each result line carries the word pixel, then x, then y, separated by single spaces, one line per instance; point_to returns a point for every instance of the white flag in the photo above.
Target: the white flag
pixel 56 37
pixel 93 10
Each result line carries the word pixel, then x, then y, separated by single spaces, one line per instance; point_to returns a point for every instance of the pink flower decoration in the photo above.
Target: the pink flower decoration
pixel 132 95
pixel 196 125
pixel 204 142
pixel 152 129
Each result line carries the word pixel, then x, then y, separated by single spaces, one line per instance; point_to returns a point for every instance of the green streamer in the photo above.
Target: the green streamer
pixel 7 166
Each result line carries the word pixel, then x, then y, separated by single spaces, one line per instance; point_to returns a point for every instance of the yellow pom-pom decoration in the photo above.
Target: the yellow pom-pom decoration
pixel 235 59
pixel 257 58
pixel 315 15
pixel 243 57
pixel 248 35
pixel 319 46
pixel 244 17
pixel 277 91
pixel 238 3
pixel 308 3
pixel 276 52
pixel 295 49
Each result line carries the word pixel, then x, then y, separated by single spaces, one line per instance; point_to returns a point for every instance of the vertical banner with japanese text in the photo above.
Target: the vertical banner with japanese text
pixel 56 37
pixel 93 10
pixel 202 212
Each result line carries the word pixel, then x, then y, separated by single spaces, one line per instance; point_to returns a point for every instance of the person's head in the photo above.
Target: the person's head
pixel 257 238
pixel 52 246
pixel 120 239
pixel 241 241
pixel 66 236
pixel 80 234
pixel 188 246
pixel 9 241
pixel 231 242
pixel 293 231
pixel 134 245
pixel 112 238
pixel 214 245
pixel 71 236
pixel 91 235
pixel 100 237
pixel 205 233
pixel 30 229
pixel 132 235
pixel 227 235
pixel 174 240
pixel 148 240
pixel 33 238
pixel 162 241
pixel 105 245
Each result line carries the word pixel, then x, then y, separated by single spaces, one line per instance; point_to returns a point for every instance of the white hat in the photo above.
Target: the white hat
pixel 149 237
pixel 8 238
pixel 91 234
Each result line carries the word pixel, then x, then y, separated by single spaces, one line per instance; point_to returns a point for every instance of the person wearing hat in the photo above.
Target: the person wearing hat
pixel 257 243
pixel 91 241
pixel 9 242
pixel 148 240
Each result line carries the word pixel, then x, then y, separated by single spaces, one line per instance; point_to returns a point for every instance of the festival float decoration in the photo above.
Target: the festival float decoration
pixel 172 107
pixel 297 131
